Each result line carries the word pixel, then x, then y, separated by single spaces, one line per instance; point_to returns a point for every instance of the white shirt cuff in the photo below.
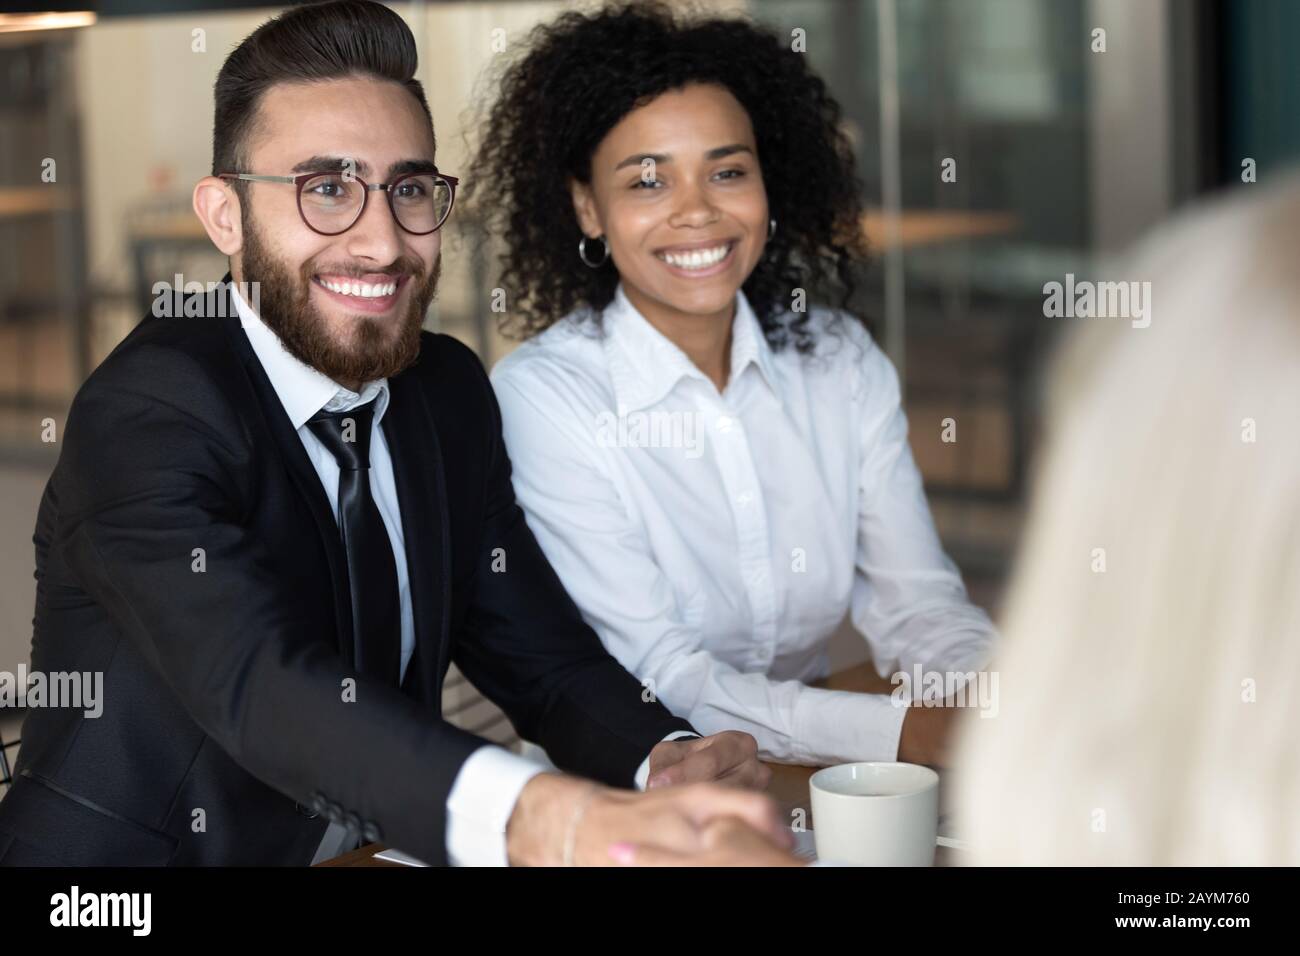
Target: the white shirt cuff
pixel 889 732
pixel 835 726
pixel 482 799
pixel 643 771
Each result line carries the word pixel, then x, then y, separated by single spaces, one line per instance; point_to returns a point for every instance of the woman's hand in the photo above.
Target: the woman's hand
pixel 729 758
pixel 560 819
pixel 928 733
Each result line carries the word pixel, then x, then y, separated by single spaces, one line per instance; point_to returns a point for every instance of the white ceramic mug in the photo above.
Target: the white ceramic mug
pixel 875 814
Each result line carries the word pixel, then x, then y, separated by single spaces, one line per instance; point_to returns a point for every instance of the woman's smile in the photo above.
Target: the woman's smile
pixel 698 260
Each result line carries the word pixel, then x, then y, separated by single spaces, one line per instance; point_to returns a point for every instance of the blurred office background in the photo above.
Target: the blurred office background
pixel 1063 154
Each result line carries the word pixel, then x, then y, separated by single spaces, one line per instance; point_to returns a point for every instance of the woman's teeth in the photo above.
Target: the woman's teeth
pixel 360 289
pixel 696 258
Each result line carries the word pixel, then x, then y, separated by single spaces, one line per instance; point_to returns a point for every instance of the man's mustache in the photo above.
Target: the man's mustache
pixel 402 268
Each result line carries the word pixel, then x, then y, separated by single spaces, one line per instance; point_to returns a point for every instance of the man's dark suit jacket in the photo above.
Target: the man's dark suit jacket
pixel 223 688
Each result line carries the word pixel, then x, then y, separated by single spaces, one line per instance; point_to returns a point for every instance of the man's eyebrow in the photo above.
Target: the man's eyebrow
pixel 329 164
pixel 404 166
pixel 717 152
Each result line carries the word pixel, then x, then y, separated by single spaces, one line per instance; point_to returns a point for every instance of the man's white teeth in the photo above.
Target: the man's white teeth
pixel 360 289
pixel 697 258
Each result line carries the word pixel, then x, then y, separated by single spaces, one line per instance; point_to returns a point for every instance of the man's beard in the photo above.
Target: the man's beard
pixel 372 352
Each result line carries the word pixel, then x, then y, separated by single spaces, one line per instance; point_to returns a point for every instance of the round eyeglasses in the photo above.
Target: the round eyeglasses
pixel 331 203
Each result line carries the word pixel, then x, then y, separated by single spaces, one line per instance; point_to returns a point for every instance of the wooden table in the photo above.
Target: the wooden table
pixel 788 786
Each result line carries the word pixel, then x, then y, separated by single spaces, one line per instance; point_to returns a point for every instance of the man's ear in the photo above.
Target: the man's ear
pixel 217 206
pixel 584 207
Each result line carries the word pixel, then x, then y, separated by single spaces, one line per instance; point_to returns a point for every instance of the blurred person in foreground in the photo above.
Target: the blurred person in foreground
pixel 1148 713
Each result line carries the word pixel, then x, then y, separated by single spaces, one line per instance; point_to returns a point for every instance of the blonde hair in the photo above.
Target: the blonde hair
pixel 1150 712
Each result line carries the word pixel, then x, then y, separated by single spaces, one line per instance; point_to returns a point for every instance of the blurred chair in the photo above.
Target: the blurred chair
pixel 7 745
pixel 464 707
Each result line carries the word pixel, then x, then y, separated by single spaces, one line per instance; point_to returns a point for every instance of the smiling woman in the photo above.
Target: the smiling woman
pixel 682 187
pixel 766 147
pixel 684 225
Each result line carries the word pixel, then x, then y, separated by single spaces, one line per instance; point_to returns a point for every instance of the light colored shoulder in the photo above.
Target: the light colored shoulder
pixel 570 347
pixel 555 383
pixel 844 348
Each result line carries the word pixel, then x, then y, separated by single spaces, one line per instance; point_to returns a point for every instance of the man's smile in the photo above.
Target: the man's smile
pixel 376 293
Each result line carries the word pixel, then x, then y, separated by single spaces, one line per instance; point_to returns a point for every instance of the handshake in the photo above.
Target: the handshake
pixel 699 810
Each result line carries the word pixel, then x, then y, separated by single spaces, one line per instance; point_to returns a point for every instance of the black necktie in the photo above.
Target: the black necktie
pixel 372 573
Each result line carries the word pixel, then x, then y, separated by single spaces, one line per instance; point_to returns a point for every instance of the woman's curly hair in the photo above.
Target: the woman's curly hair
pixel 579 75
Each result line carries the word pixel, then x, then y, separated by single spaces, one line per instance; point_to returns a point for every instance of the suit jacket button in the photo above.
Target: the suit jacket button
pixel 334 811
pixel 371 833
pixel 306 812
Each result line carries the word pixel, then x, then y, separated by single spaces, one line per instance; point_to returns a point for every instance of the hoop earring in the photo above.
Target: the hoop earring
pixel 582 253
pixel 771 229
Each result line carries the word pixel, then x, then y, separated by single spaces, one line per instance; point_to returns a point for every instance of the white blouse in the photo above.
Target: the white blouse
pixel 715 541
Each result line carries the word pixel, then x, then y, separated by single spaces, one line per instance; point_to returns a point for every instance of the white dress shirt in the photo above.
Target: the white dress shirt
pixel 715 541
pixel 485 790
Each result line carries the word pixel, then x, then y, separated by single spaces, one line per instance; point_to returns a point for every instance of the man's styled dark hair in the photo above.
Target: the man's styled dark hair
pixel 308 43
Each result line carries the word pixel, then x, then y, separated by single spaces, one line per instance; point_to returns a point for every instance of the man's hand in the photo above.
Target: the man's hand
pixel 727 841
pixel 729 758
pixel 555 810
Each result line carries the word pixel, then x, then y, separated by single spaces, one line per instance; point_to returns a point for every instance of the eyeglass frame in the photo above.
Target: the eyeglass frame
pixel 366 189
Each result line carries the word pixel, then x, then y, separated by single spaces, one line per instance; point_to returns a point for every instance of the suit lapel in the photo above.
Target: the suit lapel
pixel 290 448
pixel 422 499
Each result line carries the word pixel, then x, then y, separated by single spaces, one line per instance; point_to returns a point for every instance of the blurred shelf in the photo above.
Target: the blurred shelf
pixel 928 226
pixel 36 200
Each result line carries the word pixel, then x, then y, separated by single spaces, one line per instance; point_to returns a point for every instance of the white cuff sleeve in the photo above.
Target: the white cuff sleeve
pixel 835 726
pixel 643 771
pixel 482 798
